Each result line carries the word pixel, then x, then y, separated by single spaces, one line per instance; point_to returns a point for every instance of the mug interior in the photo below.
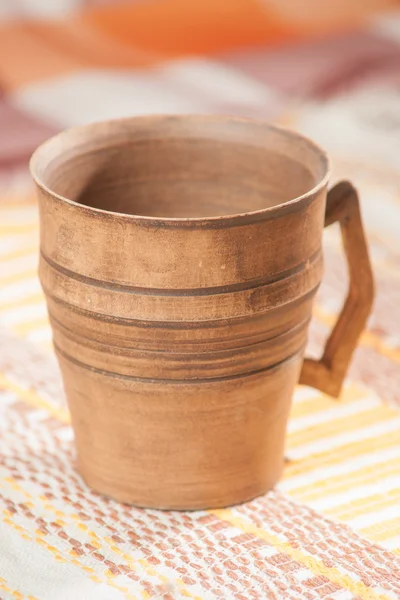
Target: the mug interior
pixel 179 167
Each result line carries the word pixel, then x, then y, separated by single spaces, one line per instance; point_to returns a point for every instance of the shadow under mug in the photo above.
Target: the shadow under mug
pixel 180 256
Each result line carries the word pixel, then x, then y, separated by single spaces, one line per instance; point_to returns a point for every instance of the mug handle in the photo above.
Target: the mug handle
pixel 328 373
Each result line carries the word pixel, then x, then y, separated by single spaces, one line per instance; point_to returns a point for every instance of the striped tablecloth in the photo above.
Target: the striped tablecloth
pixel 331 529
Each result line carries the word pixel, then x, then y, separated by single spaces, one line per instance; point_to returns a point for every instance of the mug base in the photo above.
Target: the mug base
pixel 173 503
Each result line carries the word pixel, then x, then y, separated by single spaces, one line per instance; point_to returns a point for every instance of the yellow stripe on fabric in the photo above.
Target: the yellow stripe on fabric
pixel 310 407
pixel 33 399
pixel 28 326
pixel 322 402
pixel 15 277
pixel 14 593
pixel 13 229
pixel 47 346
pixel 36 298
pixel 362 506
pixel 24 251
pixel 367 339
pixel 340 425
pixel 315 565
pixel 384 530
pixel 373 341
pixel 372 473
pixel 342 453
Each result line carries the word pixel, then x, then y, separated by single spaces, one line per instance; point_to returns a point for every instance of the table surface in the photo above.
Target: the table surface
pixel 331 529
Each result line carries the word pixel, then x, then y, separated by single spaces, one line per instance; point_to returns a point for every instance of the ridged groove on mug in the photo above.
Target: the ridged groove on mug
pixel 170 364
pixel 87 340
pixel 185 381
pixel 182 308
pixel 166 323
pixel 203 291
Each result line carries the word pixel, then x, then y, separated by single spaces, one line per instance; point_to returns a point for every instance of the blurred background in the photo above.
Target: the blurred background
pixel 330 70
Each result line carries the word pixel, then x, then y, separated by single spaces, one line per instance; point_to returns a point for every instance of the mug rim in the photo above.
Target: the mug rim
pixel 254 214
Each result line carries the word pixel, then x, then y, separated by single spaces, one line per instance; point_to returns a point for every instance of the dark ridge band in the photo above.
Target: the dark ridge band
pixel 206 291
pixel 176 325
pixel 67 332
pixel 173 381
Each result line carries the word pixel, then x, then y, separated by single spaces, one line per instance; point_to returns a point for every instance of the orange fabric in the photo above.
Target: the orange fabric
pixel 26 57
pixel 90 46
pixel 180 27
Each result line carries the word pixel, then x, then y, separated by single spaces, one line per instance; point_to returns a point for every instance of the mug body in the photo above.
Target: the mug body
pixel 179 257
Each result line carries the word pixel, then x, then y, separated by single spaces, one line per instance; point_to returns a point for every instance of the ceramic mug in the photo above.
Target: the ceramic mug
pixel 180 256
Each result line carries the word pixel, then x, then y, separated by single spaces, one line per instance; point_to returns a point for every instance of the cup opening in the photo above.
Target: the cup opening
pixel 180 167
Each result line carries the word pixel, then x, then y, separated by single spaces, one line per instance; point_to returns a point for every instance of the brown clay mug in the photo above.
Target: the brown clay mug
pixel 180 256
